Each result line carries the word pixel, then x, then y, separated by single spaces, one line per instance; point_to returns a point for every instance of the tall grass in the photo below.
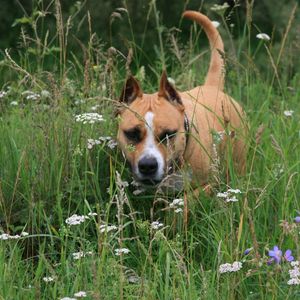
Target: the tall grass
pixel 48 173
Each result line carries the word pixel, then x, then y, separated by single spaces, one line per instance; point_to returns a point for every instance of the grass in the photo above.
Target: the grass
pixel 47 174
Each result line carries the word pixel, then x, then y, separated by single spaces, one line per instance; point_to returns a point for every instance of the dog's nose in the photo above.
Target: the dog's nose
pixel 148 165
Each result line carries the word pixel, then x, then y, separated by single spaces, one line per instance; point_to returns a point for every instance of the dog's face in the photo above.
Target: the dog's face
pixel 151 130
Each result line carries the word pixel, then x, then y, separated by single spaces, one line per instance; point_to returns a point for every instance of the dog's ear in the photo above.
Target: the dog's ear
pixel 131 90
pixel 167 91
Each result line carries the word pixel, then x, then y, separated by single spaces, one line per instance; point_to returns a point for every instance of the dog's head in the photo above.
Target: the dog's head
pixel 151 130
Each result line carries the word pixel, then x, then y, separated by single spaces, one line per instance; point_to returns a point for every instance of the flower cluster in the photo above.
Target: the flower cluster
pixel 177 204
pixel 263 36
pixel 294 274
pixel 6 236
pixel 234 267
pixel 48 279
pixel 111 143
pixel 76 219
pixel 276 255
pixel 107 228
pixel 89 118
pixel 156 225
pixel 2 94
pixel 121 251
pixel 80 294
pixel 288 113
pixel 81 254
pixel 230 195
pixel 29 95
pixel 220 8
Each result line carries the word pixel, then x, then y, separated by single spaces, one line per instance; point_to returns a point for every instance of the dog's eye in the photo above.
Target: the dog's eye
pixel 166 135
pixel 134 135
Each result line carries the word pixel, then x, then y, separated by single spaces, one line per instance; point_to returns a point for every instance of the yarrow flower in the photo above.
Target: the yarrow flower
pixel 294 274
pixel 107 228
pixel 76 219
pixel 68 298
pixel 81 254
pixel 121 251
pixel 89 118
pixel 288 113
pixel 2 94
pixel 176 205
pixel 29 95
pixel 220 8
pixel 263 36
pixel 6 236
pixel 80 294
pixel 48 279
pixel 156 225
pixel 227 267
pixel 230 195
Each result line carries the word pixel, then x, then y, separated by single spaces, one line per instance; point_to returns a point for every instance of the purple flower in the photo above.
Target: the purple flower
pixel 276 254
pixel 247 251
pixel 297 219
pixel 288 255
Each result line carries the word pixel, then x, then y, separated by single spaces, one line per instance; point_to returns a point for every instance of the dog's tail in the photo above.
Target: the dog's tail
pixel 215 75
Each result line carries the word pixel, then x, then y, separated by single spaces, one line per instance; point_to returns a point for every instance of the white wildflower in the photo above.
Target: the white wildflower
pixel 156 225
pixel 95 107
pixel 234 191
pixel 14 103
pixel 294 281
pixel 107 228
pixel 222 195
pixel 295 263
pixel 80 294
pixel 178 210
pixel 24 233
pixel 48 279
pixel 177 202
pixel 3 94
pixel 229 195
pixel 232 199
pixel 4 236
pixel 216 24
pixel 294 272
pixel 288 113
pixel 79 101
pixel 121 251
pixel 112 144
pixel 29 95
pixel 91 143
pixel 220 8
pixel 263 36
pixel 92 214
pixel 68 298
pixel 76 219
pixel 227 267
pixel 89 118
pixel 81 254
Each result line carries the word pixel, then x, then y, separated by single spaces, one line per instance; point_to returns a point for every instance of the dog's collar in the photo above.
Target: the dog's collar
pixel 186 128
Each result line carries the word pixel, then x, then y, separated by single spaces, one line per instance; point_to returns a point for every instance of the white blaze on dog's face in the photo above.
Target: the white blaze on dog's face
pixel 151 130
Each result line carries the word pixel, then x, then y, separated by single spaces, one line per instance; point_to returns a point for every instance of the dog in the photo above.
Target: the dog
pixel 170 127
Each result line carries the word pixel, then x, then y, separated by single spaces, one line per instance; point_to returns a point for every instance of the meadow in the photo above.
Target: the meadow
pixel 74 224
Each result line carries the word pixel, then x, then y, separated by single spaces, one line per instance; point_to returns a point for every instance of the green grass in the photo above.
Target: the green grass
pixel 47 174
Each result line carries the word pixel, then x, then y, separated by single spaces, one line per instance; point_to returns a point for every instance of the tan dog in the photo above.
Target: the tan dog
pixel 160 129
